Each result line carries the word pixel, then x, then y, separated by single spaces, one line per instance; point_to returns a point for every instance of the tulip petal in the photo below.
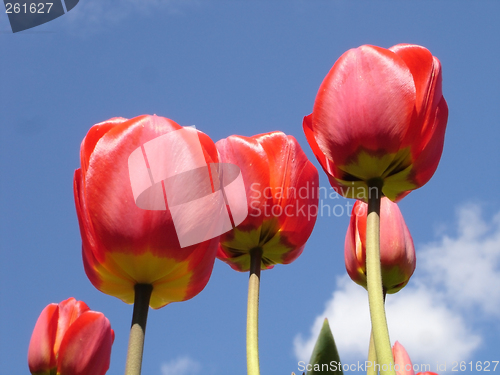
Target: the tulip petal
pixel 249 155
pixel 365 102
pixel 282 191
pixel 106 277
pixel 296 191
pixel 109 196
pixel 402 361
pixel 69 311
pixel 86 346
pixel 95 133
pixel 420 62
pixel 379 115
pixel 41 355
pixel 397 252
pixel 426 71
pixel 122 243
pixel 188 279
pixel 428 160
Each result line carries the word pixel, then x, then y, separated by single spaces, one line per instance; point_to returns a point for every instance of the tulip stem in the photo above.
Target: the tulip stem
pixel 372 357
pixel 138 329
pixel 382 343
pixel 253 313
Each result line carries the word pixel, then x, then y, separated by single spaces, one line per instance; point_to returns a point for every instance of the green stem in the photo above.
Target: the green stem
pixel 138 329
pixel 372 357
pixel 253 313
pixel 374 284
pixel 372 354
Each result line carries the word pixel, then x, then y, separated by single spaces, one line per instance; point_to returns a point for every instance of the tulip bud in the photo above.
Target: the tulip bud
pixel 70 339
pixel 397 253
pixel 402 362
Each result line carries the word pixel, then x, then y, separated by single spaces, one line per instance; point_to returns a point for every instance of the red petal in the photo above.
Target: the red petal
pixel 92 253
pixel 41 355
pixel 95 133
pixel 396 244
pixel 420 62
pixel 119 224
pixel 86 346
pixel 248 154
pixel 201 264
pixel 279 179
pixel 428 160
pixel 297 182
pixel 112 224
pixel 366 101
pixel 352 261
pixel 69 311
pixel 426 71
pixel 328 166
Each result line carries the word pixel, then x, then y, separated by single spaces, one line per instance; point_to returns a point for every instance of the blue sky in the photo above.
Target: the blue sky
pixel 237 67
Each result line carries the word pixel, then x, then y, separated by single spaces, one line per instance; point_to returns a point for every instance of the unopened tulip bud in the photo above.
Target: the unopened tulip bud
pixel 397 253
pixel 402 362
pixel 70 339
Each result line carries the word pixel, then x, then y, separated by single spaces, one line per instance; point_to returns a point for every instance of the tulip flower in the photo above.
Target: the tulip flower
pixel 377 129
pixel 379 120
pixel 397 253
pixel 131 243
pixel 123 244
pixel 402 362
pixel 282 196
pixel 70 339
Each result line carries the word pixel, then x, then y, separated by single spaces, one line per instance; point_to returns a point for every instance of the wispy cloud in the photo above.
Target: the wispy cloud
pixel 181 366
pixel 94 15
pixel 428 316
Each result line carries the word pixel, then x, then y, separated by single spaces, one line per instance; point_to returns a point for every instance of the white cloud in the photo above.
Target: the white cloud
pixel 428 328
pixel 428 316
pixel 181 366
pixel 348 315
pixel 468 267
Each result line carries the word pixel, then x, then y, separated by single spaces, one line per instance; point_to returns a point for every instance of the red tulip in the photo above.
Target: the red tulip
pixel 124 244
pixel 71 339
pixel 379 118
pixel 402 362
pixel 397 253
pixel 282 196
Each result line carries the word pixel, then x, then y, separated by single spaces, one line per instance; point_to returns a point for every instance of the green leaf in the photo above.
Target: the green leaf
pixel 325 357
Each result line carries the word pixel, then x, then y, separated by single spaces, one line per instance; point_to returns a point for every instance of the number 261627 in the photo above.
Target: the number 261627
pixel 28 8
